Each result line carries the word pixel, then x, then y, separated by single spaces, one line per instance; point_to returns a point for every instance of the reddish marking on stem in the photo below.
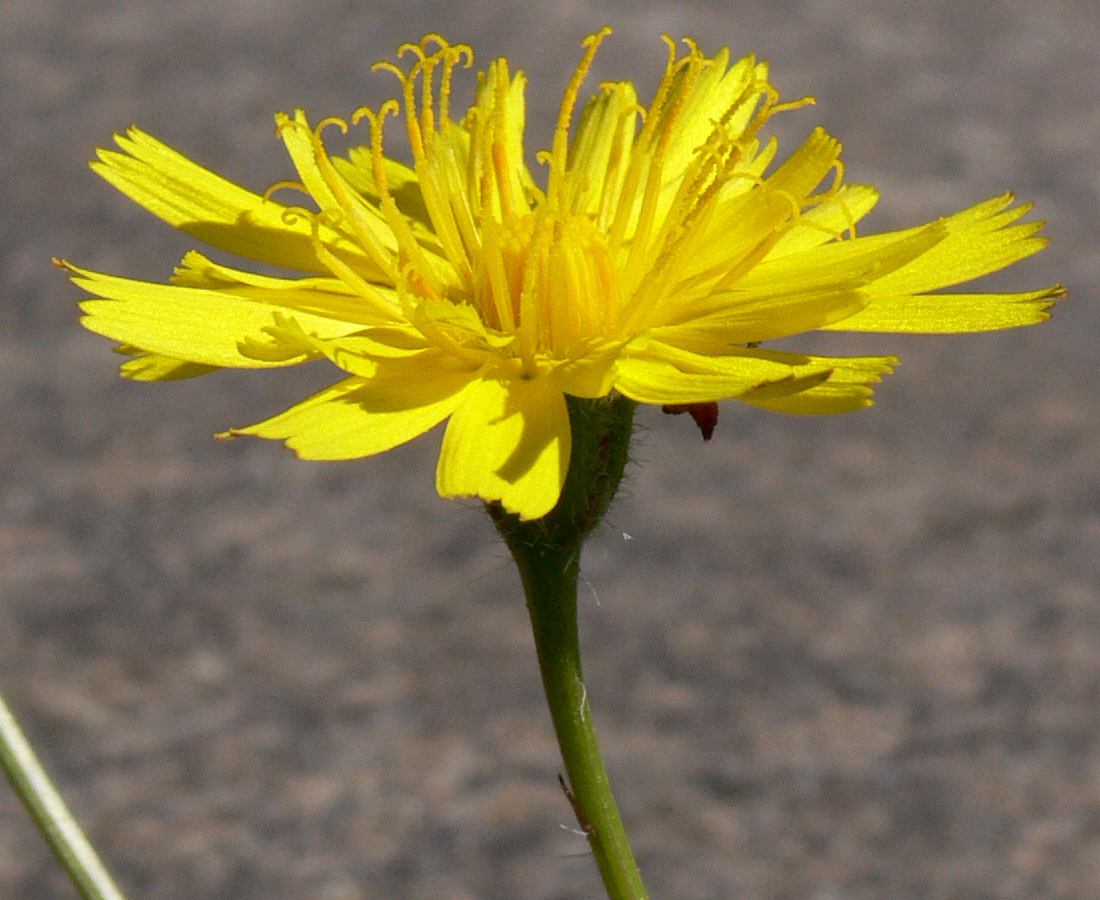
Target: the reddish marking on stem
pixel 586 826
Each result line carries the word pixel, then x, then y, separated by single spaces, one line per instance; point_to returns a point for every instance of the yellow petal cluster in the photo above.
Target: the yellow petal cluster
pixel 665 243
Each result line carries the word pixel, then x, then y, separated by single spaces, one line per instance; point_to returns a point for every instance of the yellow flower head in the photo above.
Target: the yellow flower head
pixel 664 247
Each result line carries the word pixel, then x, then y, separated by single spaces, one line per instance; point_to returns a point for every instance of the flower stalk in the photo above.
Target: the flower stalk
pixel 548 553
pixel 33 786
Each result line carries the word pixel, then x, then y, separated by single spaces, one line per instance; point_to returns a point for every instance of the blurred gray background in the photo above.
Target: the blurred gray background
pixel 853 657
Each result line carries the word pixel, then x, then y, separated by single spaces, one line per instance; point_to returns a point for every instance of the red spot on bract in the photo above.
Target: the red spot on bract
pixel 704 414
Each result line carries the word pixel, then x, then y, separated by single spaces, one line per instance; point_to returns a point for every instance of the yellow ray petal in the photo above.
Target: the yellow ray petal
pixel 800 175
pixel 209 327
pixel 360 417
pixel 327 297
pixel 851 369
pixel 749 224
pixel 951 313
pixel 840 265
pixel 214 209
pixel 396 353
pixel 591 374
pixel 664 374
pixel 847 388
pixel 509 442
pixel 155 367
pixel 714 90
pixel 738 320
pixel 601 150
pixel 824 399
pixel 979 240
pixel 826 221
pixel 401 182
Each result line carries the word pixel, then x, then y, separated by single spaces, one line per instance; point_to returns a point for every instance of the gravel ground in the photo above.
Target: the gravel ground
pixel 831 659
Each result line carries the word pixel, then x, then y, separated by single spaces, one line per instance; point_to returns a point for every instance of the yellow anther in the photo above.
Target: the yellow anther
pixel 508 205
pixel 498 131
pixel 792 201
pixel 287 186
pixel 837 168
pixel 387 66
pixel 412 123
pixel 425 70
pixel 634 172
pixel 416 49
pixel 293 214
pixel 331 120
pixel 432 38
pixel 559 153
pixel 793 104
pixel 528 325
pixel 608 194
pixel 750 92
pixel 825 229
pixel 377 122
pixel 495 298
pixel 459 54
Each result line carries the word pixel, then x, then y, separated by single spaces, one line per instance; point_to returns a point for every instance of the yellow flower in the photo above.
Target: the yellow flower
pixel 664 247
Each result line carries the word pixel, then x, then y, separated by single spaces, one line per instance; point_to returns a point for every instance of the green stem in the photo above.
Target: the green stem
pixel 50 814
pixel 547 552
pixel 550 583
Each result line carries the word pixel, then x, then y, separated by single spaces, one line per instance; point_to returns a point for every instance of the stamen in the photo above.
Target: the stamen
pixel 757 253
pixel 337 266
pixel 331 120
pixel 529 320
pixel 478 171
pixel 609 195
pixel 637 159
pixel 408 90
pixel 426 70
pixel 560 147
pixel 411 249
pixel 462 212
pixel 353 210
pixel 501 315
pixel 499 149
pixel 286 186
pixel 751 91
pixel 418 315
pixel 441 212
pixel 462 55
pixel 698 188
pixel 377 126
pixel 837 168
pixel 641 247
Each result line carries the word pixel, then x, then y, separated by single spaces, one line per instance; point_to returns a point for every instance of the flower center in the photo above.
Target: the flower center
pixel 548 279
